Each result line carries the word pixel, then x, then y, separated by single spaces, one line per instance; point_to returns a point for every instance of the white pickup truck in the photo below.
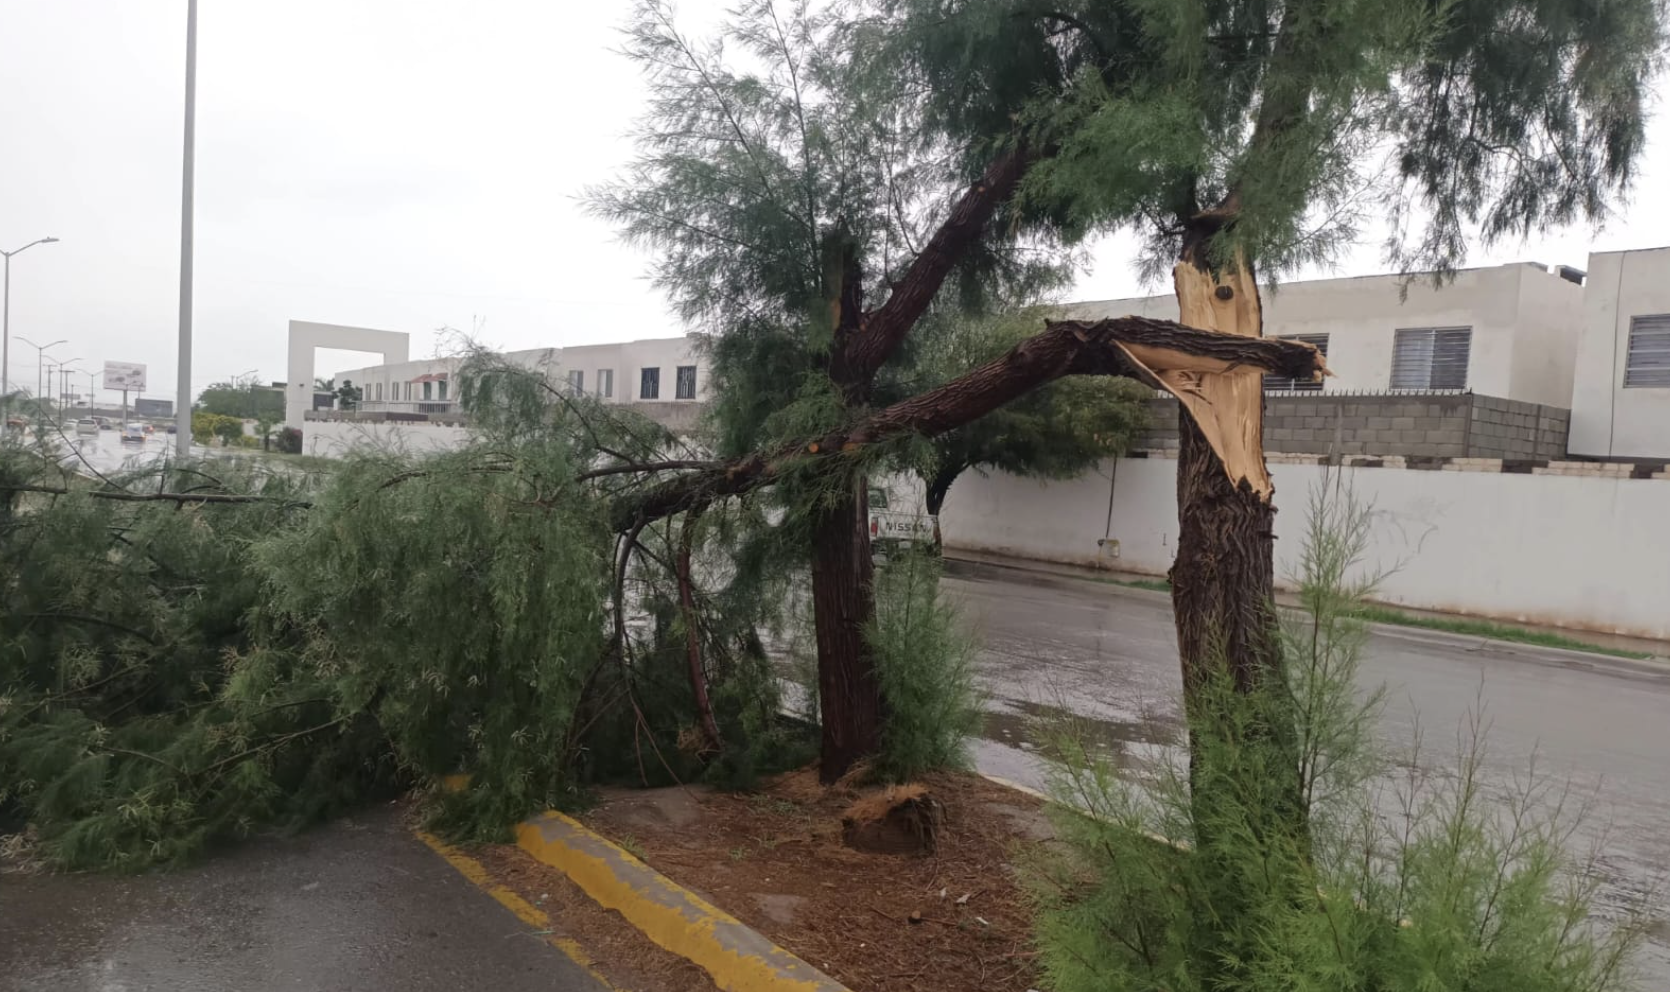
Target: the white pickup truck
pixel 893 530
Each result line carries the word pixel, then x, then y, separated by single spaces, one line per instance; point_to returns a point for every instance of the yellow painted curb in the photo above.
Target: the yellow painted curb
pixel 736 957
pixel 525 911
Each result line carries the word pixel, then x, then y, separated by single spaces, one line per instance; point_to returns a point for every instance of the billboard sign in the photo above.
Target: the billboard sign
pixel 129 376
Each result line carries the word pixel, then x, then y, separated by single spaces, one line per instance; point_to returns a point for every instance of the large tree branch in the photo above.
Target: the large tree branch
pixel 1136 347
pixel 887 326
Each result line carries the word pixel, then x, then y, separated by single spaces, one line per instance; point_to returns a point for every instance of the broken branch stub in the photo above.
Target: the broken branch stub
pixel 1225 398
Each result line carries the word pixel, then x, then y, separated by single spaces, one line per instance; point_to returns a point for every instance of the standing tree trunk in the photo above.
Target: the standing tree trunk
pixel 850 704
pixel 1223 579
pixel 938 488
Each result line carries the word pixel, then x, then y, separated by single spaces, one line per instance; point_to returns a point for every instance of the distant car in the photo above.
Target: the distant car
pixel 86 425
pixel 134 432
pixel 172 429
pixel 105 425
pixel 149 430
pixel 896 530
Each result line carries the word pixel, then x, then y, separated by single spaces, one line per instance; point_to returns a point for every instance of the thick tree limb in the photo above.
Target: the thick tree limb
pixel 887 326
pixel 1136 347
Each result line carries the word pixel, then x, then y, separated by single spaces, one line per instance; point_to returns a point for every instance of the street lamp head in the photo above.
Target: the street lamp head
pixel 49 241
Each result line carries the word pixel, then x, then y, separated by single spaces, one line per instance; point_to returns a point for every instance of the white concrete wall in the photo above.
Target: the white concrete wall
pixel 1545 337
pixel 1580 552
pixel 334 439
pixel 1607 420
pixel 1524 321
pixel 306 337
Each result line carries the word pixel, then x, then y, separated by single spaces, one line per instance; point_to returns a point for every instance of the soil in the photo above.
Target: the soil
pixel 949 916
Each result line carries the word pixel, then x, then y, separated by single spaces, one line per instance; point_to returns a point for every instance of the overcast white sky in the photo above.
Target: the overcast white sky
pixel 401 164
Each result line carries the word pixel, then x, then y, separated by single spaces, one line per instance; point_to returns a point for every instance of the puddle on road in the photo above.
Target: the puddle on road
pixel 1031 726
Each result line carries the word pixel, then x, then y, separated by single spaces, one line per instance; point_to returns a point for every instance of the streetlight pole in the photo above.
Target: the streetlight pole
pixel 60 367
pixel 40 360
pixel 64 387
pixel 182 388
pixel 6 319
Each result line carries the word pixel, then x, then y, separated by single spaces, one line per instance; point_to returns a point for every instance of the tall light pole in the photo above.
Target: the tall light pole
pixel 60 367
pixel 64 386
pixel 6 320
pixel 182 388
pixel 40 358
pixel 91 390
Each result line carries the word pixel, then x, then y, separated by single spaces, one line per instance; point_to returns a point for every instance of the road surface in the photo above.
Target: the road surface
pixel 1108 655
pixel 359 905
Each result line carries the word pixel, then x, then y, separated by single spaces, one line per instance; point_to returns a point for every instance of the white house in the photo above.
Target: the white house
pixel 1620 405
pixel 1509 331
pixel 652 370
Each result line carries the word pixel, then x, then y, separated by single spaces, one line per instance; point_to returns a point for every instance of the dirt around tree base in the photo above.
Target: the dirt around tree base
pixel 779 860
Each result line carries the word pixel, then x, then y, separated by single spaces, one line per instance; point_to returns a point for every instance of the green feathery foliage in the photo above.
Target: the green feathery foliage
pixel 1477 119
pixel 1407 880
pixel 925 655
pixel 175 672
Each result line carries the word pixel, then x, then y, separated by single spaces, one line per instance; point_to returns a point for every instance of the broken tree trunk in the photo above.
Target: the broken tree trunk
pixel 1222 580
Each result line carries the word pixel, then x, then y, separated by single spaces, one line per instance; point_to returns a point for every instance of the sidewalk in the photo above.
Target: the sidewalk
pixel 1136 584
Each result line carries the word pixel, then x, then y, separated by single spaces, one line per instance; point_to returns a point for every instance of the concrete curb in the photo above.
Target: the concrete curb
pixel 738 958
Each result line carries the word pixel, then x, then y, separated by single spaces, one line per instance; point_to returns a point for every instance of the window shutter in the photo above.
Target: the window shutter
pixel 1647 364
pixel 1284 383
pixel 1431 357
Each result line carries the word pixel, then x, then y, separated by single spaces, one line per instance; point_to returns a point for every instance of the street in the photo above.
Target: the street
pixel 358 904
pixel 1108 656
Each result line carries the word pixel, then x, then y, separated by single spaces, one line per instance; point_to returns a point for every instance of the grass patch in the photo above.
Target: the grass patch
pixel 1152 585
pixel 1485 628
pixel 1468 628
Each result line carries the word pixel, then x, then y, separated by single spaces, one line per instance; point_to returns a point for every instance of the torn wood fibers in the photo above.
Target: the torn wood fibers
pixel 1226 400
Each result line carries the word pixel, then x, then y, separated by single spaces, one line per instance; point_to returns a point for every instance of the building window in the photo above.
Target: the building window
pixel 441 388
pixel 684 386
pixel 606 383
pixel 1431 357
pixel 1647 363
pixel 379 391
pixel 428 388
pixel 649 387
pixel 1279 382
pixel 576 381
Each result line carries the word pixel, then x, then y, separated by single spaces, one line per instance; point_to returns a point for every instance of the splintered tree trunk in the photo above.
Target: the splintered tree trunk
pixel 843 601
pixel 1224 575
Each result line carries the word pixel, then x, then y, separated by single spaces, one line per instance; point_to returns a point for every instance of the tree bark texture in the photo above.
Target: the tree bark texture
pixel 850 704
pixel 1222 580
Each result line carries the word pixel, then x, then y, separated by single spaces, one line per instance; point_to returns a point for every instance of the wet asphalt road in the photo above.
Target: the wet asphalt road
pixel 1109 655
pixel 359 905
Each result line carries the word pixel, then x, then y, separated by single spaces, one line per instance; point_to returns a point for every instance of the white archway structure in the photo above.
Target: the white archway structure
pixel 306 337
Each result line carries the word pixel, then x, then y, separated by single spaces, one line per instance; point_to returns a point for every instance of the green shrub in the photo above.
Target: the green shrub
pixel 290 441
pixel 1403 880
pixel 925 658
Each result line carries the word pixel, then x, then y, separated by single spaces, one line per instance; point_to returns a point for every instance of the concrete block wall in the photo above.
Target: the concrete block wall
pixel 1435 425
pixel 1513 429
